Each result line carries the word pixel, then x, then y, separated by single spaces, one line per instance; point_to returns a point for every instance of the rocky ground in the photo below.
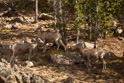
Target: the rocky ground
pixel 16 31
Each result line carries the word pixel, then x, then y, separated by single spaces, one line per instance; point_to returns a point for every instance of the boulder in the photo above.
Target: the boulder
pixel 15 27
pixel 18 19
pixel 90 45
pixel 65 58
pixel 8 26
pixel 45 16
pixel 119 31
pixel 18 74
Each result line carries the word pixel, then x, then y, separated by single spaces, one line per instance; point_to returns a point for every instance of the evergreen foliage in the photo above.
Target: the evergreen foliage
pixel 80 12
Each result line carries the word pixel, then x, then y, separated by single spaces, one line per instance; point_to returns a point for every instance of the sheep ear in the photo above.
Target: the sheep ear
pixel 84 45
pixel 10 46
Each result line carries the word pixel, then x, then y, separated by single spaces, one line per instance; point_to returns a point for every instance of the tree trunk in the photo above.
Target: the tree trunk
pixel 85 21
pixel 12 5
pixel 97 27
pixel 78 31
pixel 62 22
pixel 36 10
pixel 55 13
pixel 64 36
pixel 90 26
pixel 90 31
pixel 78 34
pixel 59 18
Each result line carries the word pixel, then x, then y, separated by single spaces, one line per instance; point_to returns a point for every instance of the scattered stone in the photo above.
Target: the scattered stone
pixel 121 38
pixel 18 19
pixel 45 16
pixel 8 26
pixel 69 80
pixel 16 27
pixel 9 13
pixel 119 31
pixel 88 45
pixel 18 74
pixel 29 63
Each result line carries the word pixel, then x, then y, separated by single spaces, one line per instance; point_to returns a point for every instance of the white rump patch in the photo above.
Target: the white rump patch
pixel 96 53
pixel 41 41
pixel 14 46
pixel 102 55
pixel 57 39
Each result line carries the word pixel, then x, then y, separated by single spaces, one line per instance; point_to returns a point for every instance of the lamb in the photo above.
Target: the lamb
pixel 24 48
pixel 50 37
pixel 88 54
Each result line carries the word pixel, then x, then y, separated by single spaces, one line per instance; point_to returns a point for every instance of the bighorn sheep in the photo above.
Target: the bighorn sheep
pixel 50 37
pixel 91 54
pixel 5 49
pixel 24 48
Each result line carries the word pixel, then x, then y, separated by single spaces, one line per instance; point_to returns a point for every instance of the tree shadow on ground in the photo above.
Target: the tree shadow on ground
pixel 113 73
pixel 117 66
pixel 8 36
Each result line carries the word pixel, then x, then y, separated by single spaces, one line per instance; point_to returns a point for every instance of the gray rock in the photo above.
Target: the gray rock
pixel 45 16
pixel 69 80
pixel 8 26
pixel 18 19
pixel 18 74
pixel 90 45
pixel 65 59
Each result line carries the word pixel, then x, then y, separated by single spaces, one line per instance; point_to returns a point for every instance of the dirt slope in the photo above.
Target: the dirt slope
pixel 59 73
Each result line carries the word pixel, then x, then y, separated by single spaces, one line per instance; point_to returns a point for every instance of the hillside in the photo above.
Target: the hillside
pixel 21 26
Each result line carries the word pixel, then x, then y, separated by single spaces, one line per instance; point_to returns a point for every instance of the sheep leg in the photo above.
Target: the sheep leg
pixel 44 48
pixel 30 53
pixel 12 58
pixel 60 41
pixel 57 45
pixel 104 63
pixel 88 63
